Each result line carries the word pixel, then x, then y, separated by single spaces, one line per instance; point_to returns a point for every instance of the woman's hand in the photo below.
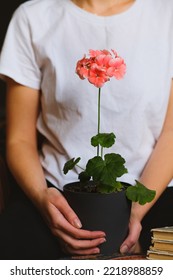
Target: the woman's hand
pixel 131 244
pixel 66 226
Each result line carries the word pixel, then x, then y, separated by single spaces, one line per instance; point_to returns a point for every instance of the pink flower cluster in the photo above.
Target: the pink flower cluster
pixel 100 67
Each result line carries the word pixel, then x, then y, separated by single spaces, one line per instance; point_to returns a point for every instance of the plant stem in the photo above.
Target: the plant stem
pixel 102 152
pixel 98 129
pixel 80 167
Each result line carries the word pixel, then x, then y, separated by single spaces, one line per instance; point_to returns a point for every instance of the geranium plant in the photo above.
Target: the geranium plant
pixel 105 169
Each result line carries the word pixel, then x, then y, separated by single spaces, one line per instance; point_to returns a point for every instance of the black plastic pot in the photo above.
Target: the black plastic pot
pixel 107 212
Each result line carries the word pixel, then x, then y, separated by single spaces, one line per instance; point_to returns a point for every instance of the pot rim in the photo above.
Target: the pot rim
pixel 66 187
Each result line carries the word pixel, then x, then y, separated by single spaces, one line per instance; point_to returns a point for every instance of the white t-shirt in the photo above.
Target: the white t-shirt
pixel 44 41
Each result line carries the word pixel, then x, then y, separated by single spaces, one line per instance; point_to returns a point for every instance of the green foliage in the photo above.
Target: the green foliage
pixel 105 140
pixel 70 164
pixel 104 170
pixel 105 173
pixel 109 189
pixel 84 177
pixel 139 193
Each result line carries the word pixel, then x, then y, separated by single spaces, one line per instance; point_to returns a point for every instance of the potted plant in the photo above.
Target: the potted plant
pixel 99 193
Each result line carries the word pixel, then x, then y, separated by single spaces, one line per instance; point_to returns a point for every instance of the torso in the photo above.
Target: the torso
pixel 135 105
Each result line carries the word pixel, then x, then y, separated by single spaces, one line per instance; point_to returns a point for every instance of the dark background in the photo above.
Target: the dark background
pixel 5 16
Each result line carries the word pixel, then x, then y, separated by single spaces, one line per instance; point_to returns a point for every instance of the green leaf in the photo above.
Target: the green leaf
pixel 115 164
pixel 84 177
pixel 108 189
pixel 70 164
pixel 95 167
pixel 139 193
pixel 105 140
pixel 106 171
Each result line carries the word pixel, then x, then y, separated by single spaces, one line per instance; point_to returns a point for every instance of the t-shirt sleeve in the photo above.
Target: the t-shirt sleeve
pixel 18 57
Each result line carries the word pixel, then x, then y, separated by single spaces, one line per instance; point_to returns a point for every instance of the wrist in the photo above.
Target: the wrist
pixel 138 211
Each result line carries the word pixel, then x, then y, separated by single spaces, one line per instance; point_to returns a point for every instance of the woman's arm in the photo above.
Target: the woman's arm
pixel 23 160
pixel 156 175
pixel 22 157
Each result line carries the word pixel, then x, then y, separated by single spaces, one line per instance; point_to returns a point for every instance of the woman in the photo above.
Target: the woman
pixel 43 43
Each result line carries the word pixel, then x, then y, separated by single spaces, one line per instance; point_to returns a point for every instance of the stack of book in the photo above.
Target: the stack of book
pixel 161 244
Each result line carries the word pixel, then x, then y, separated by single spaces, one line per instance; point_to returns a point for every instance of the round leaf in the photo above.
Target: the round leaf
pixel 139 193
pixel 70 164
pixel 105 140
